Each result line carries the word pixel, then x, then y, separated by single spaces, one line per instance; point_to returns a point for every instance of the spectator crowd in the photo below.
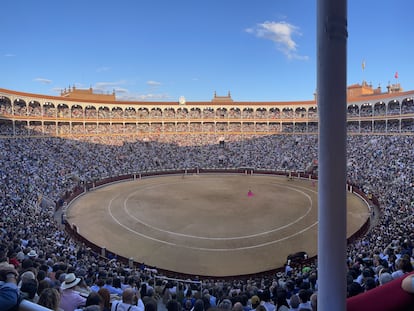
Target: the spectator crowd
pixel 41 263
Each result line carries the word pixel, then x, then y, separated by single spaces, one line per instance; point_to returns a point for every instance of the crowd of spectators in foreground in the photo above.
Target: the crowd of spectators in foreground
pixel 41 263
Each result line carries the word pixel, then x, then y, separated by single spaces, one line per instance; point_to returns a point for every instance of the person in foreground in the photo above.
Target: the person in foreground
pixel 407 284
pixel 129 302
pixel 9 294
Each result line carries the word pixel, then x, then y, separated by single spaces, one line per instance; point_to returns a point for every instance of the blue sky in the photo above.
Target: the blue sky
pixel 159 50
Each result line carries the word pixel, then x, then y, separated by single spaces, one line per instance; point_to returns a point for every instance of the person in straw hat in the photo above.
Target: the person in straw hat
pixel 70 299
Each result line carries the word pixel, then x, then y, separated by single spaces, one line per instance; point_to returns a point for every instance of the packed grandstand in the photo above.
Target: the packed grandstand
pixel 52 145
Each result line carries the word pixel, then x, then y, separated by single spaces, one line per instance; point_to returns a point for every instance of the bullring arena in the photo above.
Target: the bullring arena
pixel 104 157
pixel 210 224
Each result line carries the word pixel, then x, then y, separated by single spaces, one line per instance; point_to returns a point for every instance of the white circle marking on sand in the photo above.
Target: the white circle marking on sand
pixel 209 249
pixel 223 238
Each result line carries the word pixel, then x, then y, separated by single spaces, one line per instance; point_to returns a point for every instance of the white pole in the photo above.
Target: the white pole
pixel 26 305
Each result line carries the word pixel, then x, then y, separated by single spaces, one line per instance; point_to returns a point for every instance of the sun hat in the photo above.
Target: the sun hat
pixel 70 281
pixel 32 254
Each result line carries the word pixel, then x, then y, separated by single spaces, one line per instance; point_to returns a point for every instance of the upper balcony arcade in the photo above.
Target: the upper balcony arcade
pixel 33 107
pixel 373 113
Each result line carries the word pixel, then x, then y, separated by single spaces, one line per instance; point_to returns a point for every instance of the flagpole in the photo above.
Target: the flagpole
pixel 363 71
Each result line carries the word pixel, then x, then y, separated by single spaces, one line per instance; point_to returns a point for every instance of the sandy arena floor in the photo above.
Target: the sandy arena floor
pixel 207 224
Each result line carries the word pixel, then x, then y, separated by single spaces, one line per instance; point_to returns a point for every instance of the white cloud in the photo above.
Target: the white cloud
pixel 153 83
pixel 43 80
pixel 108 86
pixel 121 90
pixel 281 33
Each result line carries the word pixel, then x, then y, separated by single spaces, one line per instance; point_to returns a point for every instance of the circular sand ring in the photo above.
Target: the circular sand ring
pixel 213 224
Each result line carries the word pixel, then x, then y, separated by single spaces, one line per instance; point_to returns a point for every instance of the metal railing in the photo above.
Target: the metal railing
pixel 26 305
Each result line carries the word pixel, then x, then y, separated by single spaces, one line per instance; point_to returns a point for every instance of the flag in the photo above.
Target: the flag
pixel 396 75
pixel 363 65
